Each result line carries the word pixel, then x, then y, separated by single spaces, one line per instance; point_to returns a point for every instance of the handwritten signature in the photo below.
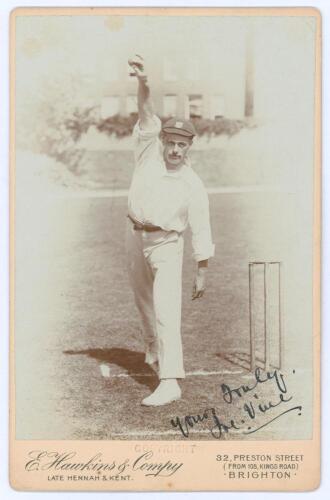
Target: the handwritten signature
pixel 251 409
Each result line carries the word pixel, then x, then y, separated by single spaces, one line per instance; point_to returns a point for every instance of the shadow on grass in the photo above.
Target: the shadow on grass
pixel 131 361
pixel 240 359
pixel 243 360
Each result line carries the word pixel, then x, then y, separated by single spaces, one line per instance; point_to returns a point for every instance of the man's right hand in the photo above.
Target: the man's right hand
pixel 137 65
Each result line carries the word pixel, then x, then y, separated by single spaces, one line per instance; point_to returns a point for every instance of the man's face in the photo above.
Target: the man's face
pixel 175 150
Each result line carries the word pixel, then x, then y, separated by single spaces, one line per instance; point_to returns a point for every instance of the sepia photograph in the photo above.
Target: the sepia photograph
pixel 164 237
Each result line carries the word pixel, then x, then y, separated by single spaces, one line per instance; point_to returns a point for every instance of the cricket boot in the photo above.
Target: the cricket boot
pixel 167 391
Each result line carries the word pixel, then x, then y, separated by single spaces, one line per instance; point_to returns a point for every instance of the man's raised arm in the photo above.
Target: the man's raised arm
pixel 145 107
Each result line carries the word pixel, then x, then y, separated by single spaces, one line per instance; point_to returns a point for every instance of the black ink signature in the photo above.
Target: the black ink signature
pixel 228 394
pixel 189 421
pixel 251 409
pixel 299 408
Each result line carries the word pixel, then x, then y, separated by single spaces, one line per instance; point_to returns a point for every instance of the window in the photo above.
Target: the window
pixel 109 106
pixel 169 105
pixel 195 106
pixel 218 106
pixel 131 104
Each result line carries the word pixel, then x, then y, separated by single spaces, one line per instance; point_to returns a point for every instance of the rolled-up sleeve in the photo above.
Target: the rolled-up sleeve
pixel 145 140
pixel 199 221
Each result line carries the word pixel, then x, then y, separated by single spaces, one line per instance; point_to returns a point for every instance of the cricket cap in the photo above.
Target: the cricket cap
pixel 179 127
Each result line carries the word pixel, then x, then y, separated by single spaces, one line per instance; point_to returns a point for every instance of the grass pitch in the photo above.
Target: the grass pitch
pixel 79 317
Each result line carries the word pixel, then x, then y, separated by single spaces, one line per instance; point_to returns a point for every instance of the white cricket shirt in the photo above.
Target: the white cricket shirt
pixel 171 200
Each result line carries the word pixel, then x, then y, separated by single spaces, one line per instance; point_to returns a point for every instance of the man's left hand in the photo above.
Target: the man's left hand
pixel 199 284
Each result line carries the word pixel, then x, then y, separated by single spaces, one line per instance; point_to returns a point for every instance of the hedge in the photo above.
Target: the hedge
pixel 122 126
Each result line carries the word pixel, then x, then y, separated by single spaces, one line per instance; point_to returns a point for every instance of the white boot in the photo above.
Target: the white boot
pixel 167 391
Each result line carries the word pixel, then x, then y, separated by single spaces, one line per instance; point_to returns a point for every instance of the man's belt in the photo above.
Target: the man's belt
pixel 142 226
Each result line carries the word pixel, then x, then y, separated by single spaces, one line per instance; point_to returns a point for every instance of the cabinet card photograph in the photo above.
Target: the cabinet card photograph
pixel 165 245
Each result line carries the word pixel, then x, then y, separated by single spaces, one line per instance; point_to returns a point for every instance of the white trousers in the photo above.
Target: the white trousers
pixel 155 271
